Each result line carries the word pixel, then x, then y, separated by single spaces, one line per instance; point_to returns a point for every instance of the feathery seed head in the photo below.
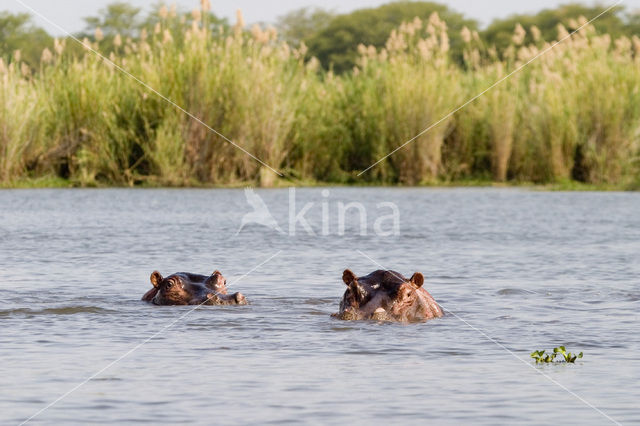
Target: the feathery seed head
pixel 163 12
pixel 273 32
pixel 47 56
pixel 444 41
pixel 58 46
pixel 25 70
pixel 436 22
pixel 519 35
pixel 303 49
pixel 535 33
pixel 239 19
pixel 466 34
pixel 166 37
pixel 562 32
pixel 573 24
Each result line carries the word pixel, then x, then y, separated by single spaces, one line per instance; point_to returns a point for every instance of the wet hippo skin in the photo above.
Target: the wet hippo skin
pixel 386 296
pixel 183 288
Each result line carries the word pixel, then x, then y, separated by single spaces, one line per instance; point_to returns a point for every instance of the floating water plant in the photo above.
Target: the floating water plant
pixel 543 357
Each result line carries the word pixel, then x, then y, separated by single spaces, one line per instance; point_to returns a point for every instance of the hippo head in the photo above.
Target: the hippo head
pixel 186 289
pixel 386 296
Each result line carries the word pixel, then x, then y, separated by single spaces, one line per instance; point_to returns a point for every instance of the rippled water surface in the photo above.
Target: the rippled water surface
pixel 516 270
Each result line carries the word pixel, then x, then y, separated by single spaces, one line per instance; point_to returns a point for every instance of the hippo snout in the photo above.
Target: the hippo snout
pixel 239 298
pixel 223 299
pixel 380 315
pixel 348 314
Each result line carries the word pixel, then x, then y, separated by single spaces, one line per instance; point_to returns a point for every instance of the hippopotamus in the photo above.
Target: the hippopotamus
pixel 386 296
pixel 183 288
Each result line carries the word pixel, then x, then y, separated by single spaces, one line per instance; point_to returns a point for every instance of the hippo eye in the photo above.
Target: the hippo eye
pixel 169 284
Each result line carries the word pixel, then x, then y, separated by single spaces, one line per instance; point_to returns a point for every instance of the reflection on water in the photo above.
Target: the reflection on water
pixel 532 270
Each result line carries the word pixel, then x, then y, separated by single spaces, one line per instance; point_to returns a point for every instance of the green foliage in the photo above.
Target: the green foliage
pixel 559 120
pixel 336 44
pixel 500 32
pixel 18 33
pixel 301 24
pixel 117 18
pixel 541 358
pixel 119 21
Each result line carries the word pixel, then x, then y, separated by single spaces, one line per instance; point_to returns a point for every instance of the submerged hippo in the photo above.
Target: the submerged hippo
pixel 386 296
pixel 183 288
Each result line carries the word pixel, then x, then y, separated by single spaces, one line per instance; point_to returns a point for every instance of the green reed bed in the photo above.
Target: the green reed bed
pixel 571 115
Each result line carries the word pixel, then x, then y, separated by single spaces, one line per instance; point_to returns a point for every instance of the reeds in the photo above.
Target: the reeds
pixel 574 113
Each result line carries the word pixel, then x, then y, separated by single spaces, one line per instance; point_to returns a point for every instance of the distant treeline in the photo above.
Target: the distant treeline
pixel 323 97
pixel 330 37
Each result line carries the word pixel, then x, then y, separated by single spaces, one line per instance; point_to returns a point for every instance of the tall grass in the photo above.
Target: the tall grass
pixel 19 112
pixel 574 113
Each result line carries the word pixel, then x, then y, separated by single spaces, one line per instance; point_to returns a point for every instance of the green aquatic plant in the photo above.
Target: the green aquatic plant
pixel 541 357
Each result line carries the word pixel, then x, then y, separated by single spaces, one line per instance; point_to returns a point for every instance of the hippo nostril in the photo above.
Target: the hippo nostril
pixel 239 297
pixel 349 314
pixel 379 314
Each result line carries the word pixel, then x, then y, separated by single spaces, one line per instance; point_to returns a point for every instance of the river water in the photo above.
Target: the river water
pixel 516 271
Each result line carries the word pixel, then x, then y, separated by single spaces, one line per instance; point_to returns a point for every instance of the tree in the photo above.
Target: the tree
pixel 336 44
pixel 302 24
pixel 122 19
pixel 117 18
pixel 177 20
pixel 633 23
pixel 18 33
pixel 500 32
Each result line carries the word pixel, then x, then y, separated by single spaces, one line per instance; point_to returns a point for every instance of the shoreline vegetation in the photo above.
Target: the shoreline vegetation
pixel 569 120
pixel 55 182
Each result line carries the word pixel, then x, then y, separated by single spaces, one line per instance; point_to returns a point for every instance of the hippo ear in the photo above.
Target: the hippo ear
pixel 348 277
pixel 216 280
pixel 156 279
pixel 417 279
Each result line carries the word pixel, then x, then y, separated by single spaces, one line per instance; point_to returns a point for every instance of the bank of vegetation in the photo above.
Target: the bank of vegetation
pixel 571 115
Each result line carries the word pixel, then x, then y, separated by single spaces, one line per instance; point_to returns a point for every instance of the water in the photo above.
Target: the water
pixel 517 270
